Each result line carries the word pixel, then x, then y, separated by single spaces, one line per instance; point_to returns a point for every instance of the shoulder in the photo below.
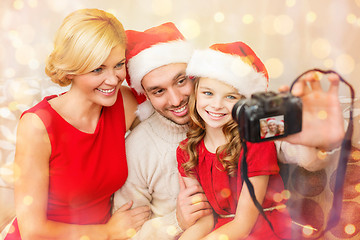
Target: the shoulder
pixel 130 105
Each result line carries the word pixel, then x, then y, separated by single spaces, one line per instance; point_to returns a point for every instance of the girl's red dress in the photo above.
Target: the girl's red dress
pixel 223 191
pixel 85 169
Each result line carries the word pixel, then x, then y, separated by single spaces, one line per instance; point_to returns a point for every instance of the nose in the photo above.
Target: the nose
pixel 175 97
pixel 217 103
pixel 112 78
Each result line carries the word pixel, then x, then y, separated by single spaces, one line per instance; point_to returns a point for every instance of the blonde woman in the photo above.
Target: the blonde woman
pixel 70 148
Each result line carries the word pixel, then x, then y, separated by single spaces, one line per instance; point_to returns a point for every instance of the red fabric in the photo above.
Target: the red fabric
pixel 223 191
pixel 85 169
pixel 242 49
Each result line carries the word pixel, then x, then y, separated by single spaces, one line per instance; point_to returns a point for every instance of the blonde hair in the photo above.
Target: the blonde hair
pixel 228 154
pixel 82 43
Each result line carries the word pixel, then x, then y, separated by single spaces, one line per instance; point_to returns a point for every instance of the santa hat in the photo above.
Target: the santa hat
pixel 281 122
pixel 148 50
pixel 270 120
pixel 233 63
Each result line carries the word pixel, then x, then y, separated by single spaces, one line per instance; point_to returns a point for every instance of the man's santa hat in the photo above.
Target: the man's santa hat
pixel 151 49
pixel 233 63
pixel 270 120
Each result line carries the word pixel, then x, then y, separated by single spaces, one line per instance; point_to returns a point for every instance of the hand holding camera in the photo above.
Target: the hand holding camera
pixel 320 123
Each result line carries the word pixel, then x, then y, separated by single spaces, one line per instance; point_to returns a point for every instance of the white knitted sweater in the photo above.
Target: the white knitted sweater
pixel 153 175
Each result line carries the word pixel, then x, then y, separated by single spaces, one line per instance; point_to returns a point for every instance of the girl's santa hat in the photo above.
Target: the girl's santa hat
pixel 233 63
pixel 151 49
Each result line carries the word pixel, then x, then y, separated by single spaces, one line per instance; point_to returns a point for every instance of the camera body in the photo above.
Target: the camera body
pixel 280 114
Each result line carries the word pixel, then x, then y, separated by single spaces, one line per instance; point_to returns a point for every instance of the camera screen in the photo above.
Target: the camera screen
pixel 272 126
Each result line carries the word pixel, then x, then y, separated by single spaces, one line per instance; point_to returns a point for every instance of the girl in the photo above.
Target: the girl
pixel 71 147
pixel 210 155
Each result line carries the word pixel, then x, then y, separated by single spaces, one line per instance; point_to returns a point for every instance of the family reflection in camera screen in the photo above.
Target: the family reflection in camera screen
pixel 272 126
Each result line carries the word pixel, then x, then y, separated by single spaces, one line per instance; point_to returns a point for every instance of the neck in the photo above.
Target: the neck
pixel 214 138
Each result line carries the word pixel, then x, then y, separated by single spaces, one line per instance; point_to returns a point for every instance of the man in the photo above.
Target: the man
pixel 156 65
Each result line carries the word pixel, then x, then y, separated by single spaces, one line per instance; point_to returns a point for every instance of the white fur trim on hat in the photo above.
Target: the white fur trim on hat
pixel 144 110
pixel 227 68
pixel 157 55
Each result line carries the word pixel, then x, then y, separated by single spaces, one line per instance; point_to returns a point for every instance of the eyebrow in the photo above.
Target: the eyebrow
pixel 173 79
pixel 122 60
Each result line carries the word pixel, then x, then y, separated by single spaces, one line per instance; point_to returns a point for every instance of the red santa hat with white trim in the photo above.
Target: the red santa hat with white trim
pixel 155 47
pixel 233 63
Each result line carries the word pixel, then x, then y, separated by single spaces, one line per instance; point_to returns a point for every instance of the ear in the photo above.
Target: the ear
pixel 70 76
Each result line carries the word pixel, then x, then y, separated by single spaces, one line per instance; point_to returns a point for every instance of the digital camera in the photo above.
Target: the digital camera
pixel 267 116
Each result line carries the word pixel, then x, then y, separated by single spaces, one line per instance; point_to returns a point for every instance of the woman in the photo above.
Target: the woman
pixel 70 148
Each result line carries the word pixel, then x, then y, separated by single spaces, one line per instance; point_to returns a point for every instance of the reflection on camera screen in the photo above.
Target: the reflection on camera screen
pixel 272 126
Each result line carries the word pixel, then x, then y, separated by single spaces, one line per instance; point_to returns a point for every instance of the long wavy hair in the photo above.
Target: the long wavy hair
pixel 228 154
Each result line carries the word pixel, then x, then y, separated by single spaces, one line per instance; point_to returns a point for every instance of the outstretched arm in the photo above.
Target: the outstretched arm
pixel 323 123
pixel 322 127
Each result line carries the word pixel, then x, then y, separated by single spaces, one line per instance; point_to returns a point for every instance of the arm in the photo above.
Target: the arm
pixel 191 204
pixel 246 213
pixel 202 226
pixel 32 155
pixel 323 124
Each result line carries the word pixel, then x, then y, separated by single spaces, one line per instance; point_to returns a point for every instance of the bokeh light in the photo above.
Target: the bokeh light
pixel 171 230
pixel 350 229
pixel 190 28
pixel 311 17
pixel 322 115
pixel 283 24
pixel 223 237
pixel 290 3
pixel 28 200
pixel 345 64
pixel 275 67
pixel 225 192
pixel 32 3
pixel 248 18
pixel 18 4
pixel 219 17
pixel 84 237
pixel 321 48
pixel 351 18
pixel 130 232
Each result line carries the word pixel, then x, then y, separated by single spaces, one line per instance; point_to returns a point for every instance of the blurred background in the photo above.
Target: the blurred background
pixel 289 36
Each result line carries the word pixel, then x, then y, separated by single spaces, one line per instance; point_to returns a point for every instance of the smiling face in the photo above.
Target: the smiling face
pixel 214 102
pixel 168 89
pixel 101 85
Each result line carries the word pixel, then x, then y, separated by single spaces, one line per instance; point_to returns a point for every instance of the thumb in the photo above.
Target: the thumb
pixel 126 206
pixel 181 182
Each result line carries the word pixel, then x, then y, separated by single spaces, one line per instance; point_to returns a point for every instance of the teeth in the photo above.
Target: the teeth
pixel 216 114
pixel 179 109
pixel 106 91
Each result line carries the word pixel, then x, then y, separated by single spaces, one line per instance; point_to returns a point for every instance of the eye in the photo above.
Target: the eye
pixel 207 93
pixel 97 70
pixel 120 65
pixel 231 97
pixel 158 92
pixel 182 80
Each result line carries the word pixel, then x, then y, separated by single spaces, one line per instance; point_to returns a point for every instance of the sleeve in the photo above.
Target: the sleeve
pixel 261 159
pixel 309 158
pixel 181 157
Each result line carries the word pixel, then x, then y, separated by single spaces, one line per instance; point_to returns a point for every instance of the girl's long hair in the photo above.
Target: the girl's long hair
pixel 228 154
